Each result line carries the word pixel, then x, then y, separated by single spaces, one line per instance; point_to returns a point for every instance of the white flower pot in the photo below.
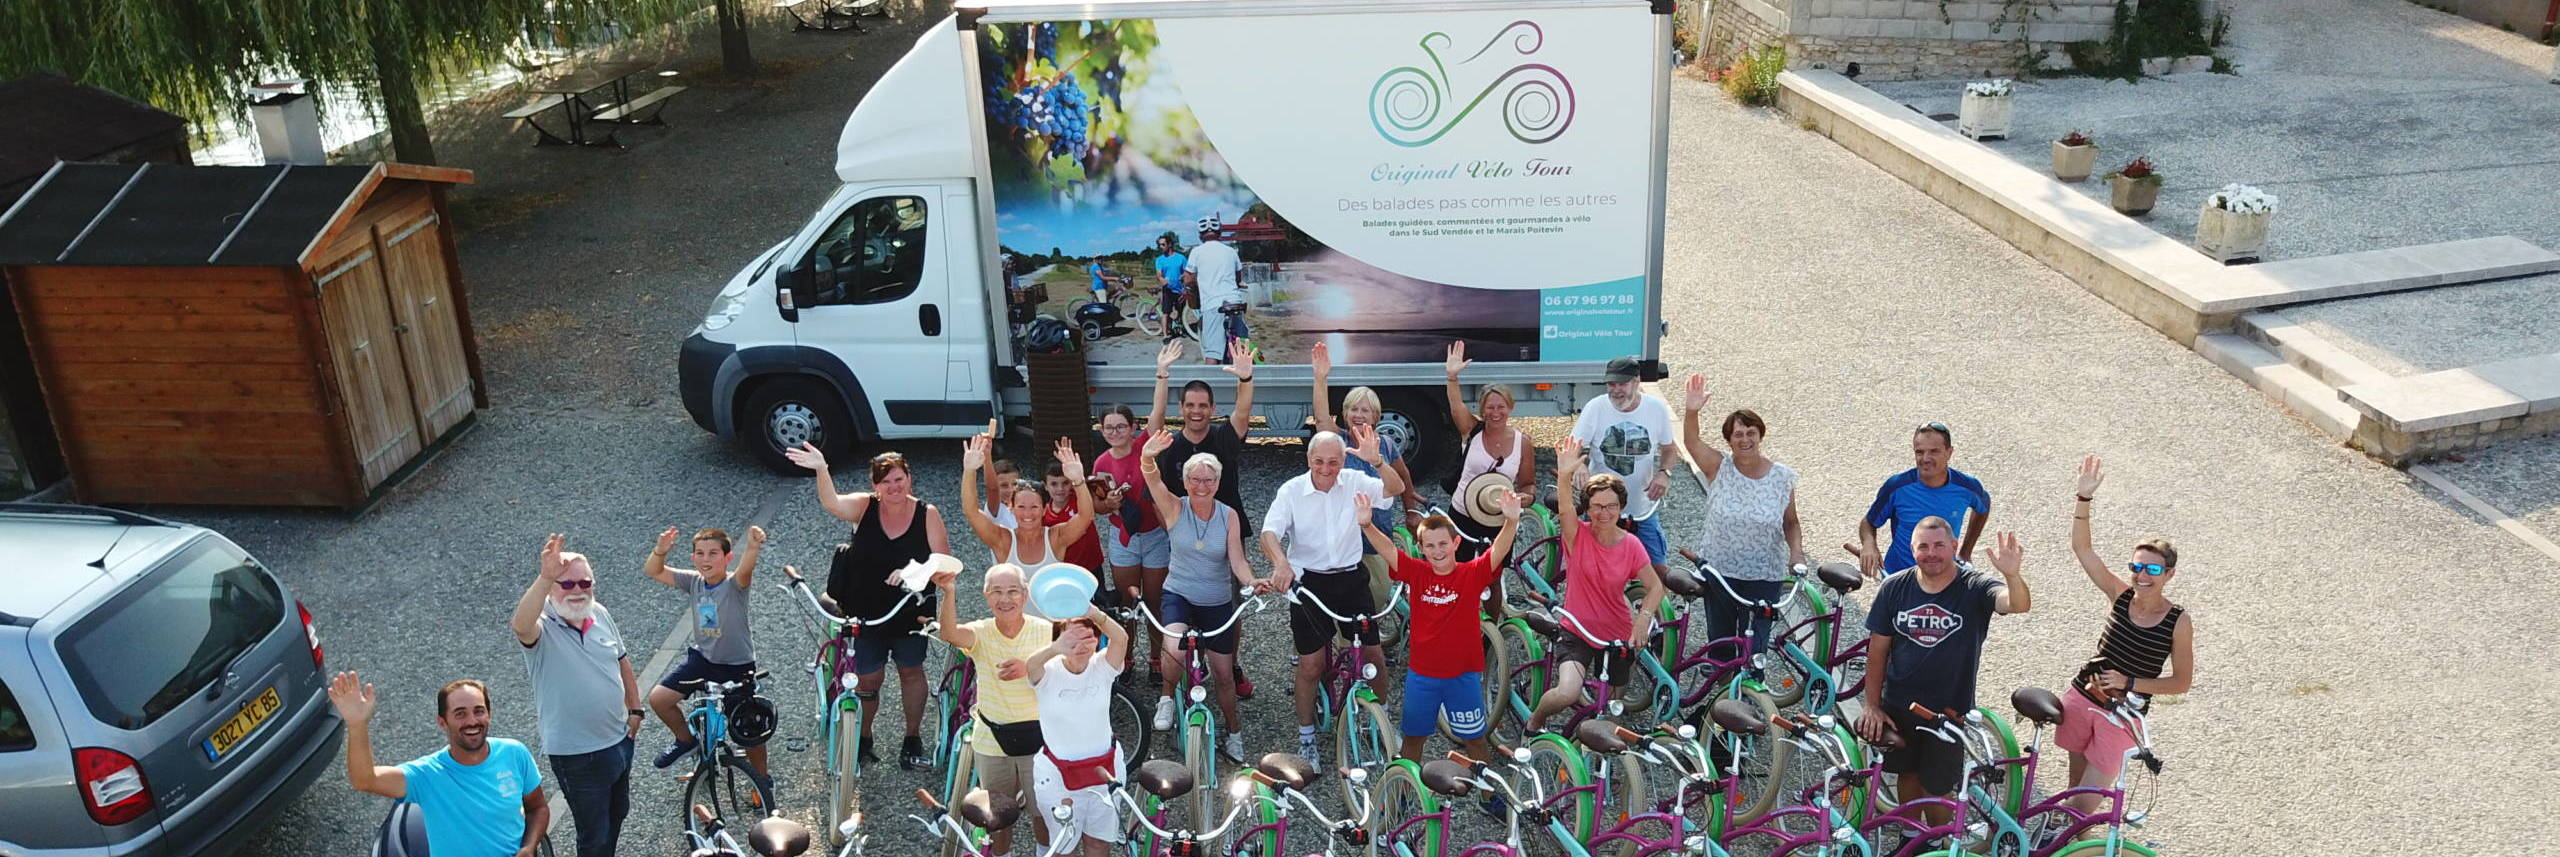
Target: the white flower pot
pixel 1984 116
pixel 2230 236
pixel 2074 163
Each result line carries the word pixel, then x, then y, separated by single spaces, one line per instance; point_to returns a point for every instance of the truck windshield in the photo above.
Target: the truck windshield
pixel 170 633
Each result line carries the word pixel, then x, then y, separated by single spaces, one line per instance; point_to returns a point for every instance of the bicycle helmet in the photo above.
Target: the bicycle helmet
pixel 404 832
pixel 1045 335
pixel 1209 224
pixel 751 719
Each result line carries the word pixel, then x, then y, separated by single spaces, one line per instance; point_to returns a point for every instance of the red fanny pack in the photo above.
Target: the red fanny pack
pixel 1085 773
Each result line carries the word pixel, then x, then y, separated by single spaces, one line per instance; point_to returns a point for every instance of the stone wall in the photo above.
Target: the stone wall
pixel 1888 58
pixel 1906 39
pixel 1738 26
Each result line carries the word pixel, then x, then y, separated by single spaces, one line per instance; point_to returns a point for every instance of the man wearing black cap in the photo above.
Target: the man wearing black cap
pixel 1629 434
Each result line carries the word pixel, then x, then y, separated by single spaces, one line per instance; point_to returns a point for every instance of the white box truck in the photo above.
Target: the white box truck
pixel 1383 178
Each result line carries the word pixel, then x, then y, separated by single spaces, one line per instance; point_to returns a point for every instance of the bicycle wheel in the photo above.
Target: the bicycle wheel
pixel 1761 763
pixel 1851 797
pixel 1399 795
pixel 1625 796
pixel 2098 848
pixel 1495 667
pixel 1265 812
pixel 1200 754
pixel 2013 782
pixel 732 790
pixel 843 776
pixel 1129 723
pixel 1360 741
pixel 947 693
pixel 1144 313
pixel 1524 656
pixel 1558 767
pixel 956 784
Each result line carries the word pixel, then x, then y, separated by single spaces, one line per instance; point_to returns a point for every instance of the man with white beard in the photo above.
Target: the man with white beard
pixel 580 672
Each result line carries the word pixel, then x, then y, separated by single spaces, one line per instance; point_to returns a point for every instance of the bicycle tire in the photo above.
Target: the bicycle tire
pixel 1266 815
pixel 956 784
pixel 1130 724
pixel 1625 797
pixel 1200 754
pixel 1761 764
pixel 1852 799
pixel 715 785
pixel 1360 741
pixel 843 785
pixel 1495 666
pixel 1524 655
pixel 946 696
pixel 2098 848
pixel 2014 784
pixel 1559 766
pixel 1400 795
pixel 1785 679
pixel 1147 315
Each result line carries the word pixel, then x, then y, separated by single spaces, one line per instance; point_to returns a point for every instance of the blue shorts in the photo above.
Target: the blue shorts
pixel 871 651
pixel 695 668
pixel 1151 549
pixel 1426 699
pixel 1177 610
pixel 1649 531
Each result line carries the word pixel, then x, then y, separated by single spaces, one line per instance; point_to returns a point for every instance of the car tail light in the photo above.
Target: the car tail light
pixel 111 785
pixel 310 634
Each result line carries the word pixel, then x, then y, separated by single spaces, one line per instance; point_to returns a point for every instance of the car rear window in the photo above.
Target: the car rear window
pixel 15 732
pixel 170 634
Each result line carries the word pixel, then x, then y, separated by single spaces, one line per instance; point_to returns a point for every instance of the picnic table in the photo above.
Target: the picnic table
pixel 599 93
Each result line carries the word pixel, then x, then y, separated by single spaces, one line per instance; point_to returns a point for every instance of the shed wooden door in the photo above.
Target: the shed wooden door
pixel 423 319
pixel 358 319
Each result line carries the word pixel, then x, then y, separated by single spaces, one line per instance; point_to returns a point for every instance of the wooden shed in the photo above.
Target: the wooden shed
pixel 274 335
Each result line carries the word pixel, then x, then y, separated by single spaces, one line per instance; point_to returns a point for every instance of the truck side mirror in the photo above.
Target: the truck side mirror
pixel 787 283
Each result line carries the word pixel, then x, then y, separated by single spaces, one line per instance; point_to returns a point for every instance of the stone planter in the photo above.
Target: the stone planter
pixel 2231 236
pixel 2074 163
pixel 1984 116
pixel 2135 197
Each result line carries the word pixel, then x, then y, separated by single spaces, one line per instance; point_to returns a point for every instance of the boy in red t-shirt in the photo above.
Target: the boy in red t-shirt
pixel 1444 673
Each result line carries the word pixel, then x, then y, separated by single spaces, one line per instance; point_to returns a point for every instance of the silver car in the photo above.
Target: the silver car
pixel 160 691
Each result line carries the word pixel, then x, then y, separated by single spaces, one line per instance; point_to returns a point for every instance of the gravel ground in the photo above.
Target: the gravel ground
pixel 1799 278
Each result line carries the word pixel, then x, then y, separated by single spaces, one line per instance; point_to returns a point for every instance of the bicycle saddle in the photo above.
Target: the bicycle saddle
pixel 1290 769
pixel 2037 704
pixel 1447 778
pixel 778 837
pixel 1682 583
pixel 1598 735
pixel 988 811
pixel 1542 623
pixel 1165 778
pixel 1841 577
pixel 1734 715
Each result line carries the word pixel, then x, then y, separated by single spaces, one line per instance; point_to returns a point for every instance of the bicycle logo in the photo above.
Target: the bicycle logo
pixel 1537 105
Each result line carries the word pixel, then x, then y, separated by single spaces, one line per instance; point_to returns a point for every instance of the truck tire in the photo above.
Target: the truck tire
pixel 784 412
pixel 1419 421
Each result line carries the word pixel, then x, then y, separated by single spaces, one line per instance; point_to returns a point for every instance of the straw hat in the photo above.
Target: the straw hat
pixel 1481 498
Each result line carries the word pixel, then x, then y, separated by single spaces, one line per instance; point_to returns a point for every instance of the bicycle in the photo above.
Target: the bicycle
pixel 1166 782
pixel 988 812
pixel 1284 778
pixel 2052 827
pixel 1614 783
pixel 1197 742
pixel 1828 804
pixel 1917 833
pixel 774 836
pixel 1800 662
pixel 1459 776
pixel 719 765
pixel 838 713
pixel 1347 707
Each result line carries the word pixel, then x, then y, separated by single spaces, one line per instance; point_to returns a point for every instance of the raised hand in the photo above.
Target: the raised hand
pixel 807 455
pixel 1075 634
pixel 1696 398
pixel 974 454
pixel 2090 476
pixel 1512 502
pixel 551 564
pixel 1568 459
pixel 1458 361
pixel 351 697
pixel 1157 443
pixel 1360 501
pixel 755 537
pixel 945 579
pixel 1068 461
pixel 2006 554
pixel 1365 443
pixel 666 541
pixel 1170 354
pixel 1320 360
pixel 1239 360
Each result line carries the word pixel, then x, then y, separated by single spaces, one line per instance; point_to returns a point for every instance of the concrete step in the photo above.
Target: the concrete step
pixel 2373 272
pixel 2298 390
pixel 2307 350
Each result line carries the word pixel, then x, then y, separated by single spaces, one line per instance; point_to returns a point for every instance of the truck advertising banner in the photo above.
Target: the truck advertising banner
pixel 1383 183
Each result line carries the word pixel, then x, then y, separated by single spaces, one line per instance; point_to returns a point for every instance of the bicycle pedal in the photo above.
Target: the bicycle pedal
pixel 684 776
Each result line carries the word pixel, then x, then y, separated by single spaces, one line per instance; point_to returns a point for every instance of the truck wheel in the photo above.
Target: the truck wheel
pixel 1419 423
pixel 785 412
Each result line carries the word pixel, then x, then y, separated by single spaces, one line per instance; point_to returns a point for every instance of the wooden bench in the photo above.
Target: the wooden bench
pixel 527 112
pixel 641 110
pixel 833 15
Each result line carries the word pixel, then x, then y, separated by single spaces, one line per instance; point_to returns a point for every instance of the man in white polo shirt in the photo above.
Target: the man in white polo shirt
pixel 1319 514
pixel 584 692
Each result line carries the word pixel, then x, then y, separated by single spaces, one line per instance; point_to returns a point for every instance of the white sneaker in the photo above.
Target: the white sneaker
pixel 1307 748
pixel 1235 747
pixel 1164 714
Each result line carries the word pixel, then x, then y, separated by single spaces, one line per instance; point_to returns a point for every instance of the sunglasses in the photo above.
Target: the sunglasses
pixel 1940 428
pixel 2150 568
pixel 588 583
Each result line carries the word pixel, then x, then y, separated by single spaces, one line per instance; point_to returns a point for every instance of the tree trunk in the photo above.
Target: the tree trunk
pixel 734 56
pixel 401 108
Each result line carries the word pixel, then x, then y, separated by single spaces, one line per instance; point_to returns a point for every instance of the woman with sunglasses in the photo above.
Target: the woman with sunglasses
pixel 2145 632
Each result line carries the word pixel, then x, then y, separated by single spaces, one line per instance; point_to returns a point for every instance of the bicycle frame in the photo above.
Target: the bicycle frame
pixel 1195 673
pixel 2116 818
pixel 1541 809
pixel 1278 798
pixel 941 826
pixel 1834 834
pixel 1347 669
pixel 835 658
pixel 1683 753
pixel 1907 815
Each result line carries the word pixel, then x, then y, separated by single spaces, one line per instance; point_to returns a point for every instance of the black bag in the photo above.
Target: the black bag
pixel 1020 738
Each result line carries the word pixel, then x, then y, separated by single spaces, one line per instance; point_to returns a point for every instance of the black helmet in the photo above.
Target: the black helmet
pixel 751 719
pixel 1045 335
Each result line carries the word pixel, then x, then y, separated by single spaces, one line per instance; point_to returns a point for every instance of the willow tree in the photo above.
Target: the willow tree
pixel 198 58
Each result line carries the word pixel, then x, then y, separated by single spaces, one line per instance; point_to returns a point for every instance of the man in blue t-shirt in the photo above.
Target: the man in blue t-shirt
pixel 482 796
pixel 1169 262
pixel 1929 489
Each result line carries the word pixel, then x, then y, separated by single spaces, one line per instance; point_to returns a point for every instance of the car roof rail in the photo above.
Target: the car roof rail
pixel 131 519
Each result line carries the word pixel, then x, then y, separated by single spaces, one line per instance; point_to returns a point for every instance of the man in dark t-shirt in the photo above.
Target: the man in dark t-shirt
pixel 1926 628
pixel 1202 431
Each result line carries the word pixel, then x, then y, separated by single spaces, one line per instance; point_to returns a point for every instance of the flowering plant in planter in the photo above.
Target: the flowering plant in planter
pixel 2136 187
pixel 2242 199
pixel 2140 170
pixel 1989 88
pixel 2074 138
pixel 2074 156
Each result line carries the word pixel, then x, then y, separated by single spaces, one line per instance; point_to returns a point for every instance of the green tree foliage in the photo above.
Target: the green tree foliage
pixel 197 57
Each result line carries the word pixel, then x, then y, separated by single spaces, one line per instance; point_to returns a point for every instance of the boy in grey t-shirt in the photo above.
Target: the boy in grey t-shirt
pixel 722 649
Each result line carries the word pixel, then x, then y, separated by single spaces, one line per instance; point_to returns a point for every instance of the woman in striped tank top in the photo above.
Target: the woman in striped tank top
pixel 2145 633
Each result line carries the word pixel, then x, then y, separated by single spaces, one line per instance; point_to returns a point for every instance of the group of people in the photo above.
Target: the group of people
pixel 1158 517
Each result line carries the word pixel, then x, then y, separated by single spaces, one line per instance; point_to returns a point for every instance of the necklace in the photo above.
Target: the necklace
pixel 1199 528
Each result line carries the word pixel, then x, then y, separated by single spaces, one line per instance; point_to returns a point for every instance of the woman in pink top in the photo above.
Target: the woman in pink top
pixel 1600 557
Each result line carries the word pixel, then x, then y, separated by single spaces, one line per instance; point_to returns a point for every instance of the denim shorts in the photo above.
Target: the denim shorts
pixel 1151 549
pixel 1649 531
pixel 1426 699
pixel 1178 610
pixel 871 651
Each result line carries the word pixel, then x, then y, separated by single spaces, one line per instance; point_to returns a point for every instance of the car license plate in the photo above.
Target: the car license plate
pixel 257 711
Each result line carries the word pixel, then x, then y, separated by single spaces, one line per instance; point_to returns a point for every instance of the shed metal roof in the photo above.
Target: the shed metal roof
pixel 164 214
pixel 52 118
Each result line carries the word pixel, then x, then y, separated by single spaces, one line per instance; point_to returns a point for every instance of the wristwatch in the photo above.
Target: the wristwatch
pixel 639 712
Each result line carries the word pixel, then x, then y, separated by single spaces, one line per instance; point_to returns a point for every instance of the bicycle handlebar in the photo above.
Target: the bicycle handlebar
pixel 1235 810
pixel 1298 589
pixel 794 581
pixel 1245 592
pixel 1795 577
pixel 1584 631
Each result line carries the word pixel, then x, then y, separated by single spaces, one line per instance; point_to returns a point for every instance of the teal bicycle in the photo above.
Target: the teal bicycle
pixel 838 712
pixel 1197 741
pixel 722 787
